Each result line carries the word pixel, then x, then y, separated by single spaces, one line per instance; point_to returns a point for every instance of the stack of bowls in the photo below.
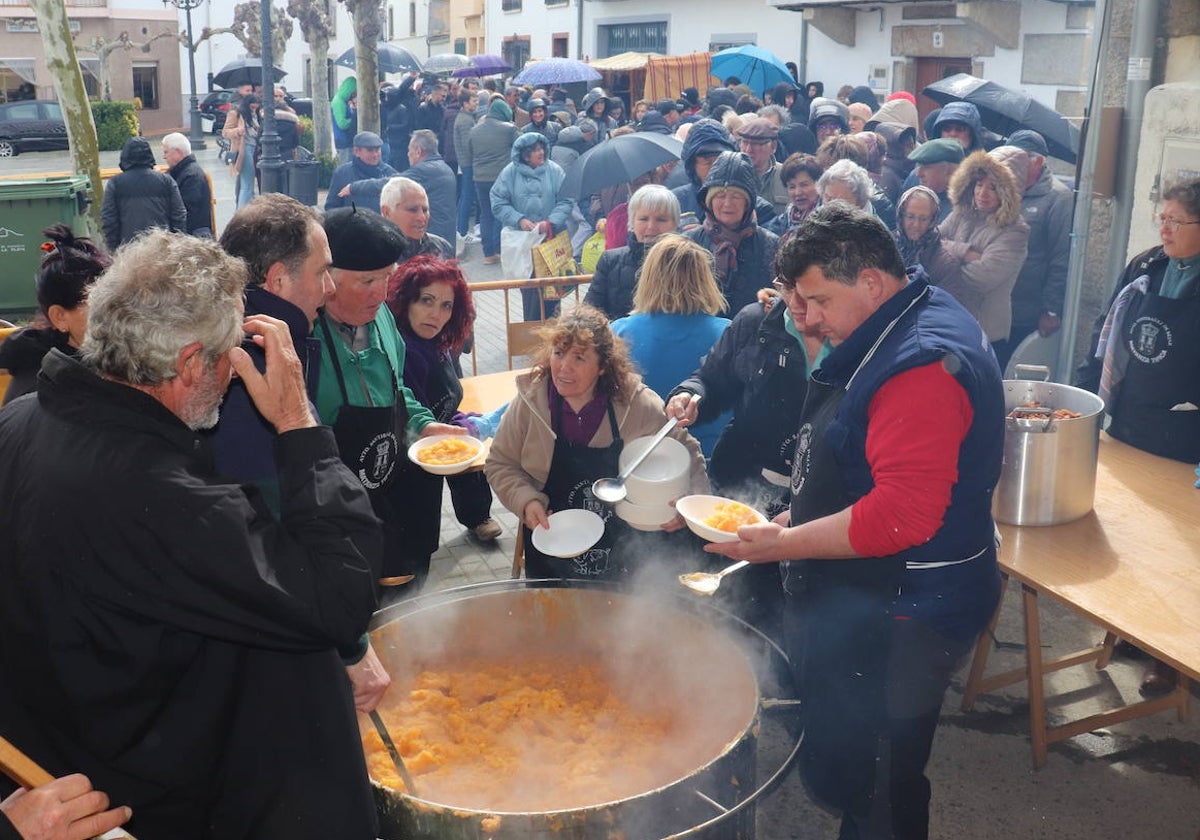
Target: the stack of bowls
pixel 662 478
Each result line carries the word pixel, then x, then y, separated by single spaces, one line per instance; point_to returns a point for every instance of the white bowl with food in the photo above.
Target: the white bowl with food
pixel 644 517
pixel 664 476
pixel 445 454
pixel 715 518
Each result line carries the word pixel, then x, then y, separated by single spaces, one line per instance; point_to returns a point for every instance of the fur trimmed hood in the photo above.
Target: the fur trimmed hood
pixel 977 166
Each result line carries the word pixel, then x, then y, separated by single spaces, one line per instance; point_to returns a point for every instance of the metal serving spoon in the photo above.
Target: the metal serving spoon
pixel 382 729
pixel 612 490
pixel 706 583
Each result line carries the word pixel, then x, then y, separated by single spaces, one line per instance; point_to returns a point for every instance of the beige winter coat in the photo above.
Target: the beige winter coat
pixel 984 286
pixel 519 463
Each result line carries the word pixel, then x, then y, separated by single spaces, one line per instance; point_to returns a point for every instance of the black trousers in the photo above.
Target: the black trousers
pixel 471 496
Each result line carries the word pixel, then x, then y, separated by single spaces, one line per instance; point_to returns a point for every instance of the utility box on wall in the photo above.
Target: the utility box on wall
pixel 1168 151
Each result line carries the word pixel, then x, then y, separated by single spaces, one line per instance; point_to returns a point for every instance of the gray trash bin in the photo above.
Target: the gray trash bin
pixel 300 180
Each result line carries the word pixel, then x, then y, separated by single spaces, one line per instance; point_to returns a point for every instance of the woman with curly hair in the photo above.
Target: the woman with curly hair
pixel 69 266
pixel 986 233
pixel 573 412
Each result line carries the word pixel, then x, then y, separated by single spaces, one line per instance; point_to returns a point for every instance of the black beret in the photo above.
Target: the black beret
pixel 362 240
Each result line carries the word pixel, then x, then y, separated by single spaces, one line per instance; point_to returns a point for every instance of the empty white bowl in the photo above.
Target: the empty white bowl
pixel 664 476
pixel 644 517
pixel 695 509
pixel 444 469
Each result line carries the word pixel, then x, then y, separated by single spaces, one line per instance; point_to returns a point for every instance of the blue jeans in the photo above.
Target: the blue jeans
pixel 466 200
pixel 245 181
pixel 489 228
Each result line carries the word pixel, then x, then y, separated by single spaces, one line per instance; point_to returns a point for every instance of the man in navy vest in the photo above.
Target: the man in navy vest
pixel 889 554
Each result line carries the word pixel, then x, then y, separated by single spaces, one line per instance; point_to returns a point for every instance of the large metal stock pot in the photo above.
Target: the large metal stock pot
pixel 1049 471
pixel 697 669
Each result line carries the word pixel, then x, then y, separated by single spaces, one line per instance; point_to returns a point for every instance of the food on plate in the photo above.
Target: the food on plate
pixel 1036 411
pixel 449 451
pixel 729 516
pixel 530 734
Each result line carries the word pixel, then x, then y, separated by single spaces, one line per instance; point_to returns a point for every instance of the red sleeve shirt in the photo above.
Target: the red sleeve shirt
pixel 916 424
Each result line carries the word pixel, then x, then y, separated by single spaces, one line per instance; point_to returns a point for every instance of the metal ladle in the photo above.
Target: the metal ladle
pixel 612 490
pixel 382 729
pixel 706 583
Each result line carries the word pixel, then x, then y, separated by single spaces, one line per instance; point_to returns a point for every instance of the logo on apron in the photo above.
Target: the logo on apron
pixel 377 460
pixel 581 497
pixel 1149 340
pixel 592 563
pixel 802 461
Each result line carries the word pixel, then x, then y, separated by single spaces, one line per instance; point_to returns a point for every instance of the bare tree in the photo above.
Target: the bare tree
pixel 365 14
pixel 103 48
pixel 55 32
pixel 247 28
pixel 316 30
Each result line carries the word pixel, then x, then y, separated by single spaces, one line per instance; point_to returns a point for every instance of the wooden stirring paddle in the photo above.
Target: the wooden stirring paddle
pixel 29 774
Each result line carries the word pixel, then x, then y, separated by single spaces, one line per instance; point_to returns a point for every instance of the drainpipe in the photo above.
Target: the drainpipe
pixel 1081 224
pixel 802 64
pixel 1137 85
pixel 579 32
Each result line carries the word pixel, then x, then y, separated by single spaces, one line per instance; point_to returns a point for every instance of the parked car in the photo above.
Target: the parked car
pixel 32 125
pixel 216 107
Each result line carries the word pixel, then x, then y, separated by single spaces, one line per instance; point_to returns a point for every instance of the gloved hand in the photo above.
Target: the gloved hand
pixel 467 421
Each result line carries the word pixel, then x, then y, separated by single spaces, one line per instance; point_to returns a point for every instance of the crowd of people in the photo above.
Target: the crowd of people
pixel 810 274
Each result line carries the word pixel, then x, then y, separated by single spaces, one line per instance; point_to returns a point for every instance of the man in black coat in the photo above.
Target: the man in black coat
pixel 428 169
pixel 139 198
pixel 193 183
pixel 159 615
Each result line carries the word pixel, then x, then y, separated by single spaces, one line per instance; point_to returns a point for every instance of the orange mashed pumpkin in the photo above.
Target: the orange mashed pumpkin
pixel 729 516
pixel 528 735
pixel 446 452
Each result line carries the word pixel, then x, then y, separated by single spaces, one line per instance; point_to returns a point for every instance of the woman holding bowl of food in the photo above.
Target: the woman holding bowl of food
pixel 575 410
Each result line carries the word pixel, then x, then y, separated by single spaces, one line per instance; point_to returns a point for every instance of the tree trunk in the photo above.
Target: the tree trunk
pixel 72 97
pixel 365 14
pixel 322 115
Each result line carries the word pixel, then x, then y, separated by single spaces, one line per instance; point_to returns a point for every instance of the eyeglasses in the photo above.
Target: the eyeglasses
pixel 785 289
pixel 921 220
pixel 755 141
pixel 1170 224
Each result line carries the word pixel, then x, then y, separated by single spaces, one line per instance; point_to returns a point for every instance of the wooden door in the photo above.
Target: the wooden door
pixel 930 70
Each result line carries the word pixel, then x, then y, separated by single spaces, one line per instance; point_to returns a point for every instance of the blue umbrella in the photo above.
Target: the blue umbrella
pixel 760 69
pixel 556 71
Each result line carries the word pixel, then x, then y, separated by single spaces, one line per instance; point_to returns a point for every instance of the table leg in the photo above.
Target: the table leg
pixel 1033 672
pixel 983 647
pixel 1106 651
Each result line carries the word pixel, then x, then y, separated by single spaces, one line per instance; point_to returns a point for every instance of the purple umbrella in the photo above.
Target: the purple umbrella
pixel 556 71
pixel 485 64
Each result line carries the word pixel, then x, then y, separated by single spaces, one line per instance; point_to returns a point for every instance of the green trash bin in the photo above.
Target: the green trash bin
pixel 27 207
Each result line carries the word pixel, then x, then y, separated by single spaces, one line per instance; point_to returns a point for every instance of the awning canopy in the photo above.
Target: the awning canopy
pixel 625 61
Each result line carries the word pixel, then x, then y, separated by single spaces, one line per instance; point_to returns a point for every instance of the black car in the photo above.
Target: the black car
pixel 32 125
pixel 217 104
pixel 216 107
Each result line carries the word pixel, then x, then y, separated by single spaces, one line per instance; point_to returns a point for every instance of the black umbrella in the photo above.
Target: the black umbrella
pixel 618 161
pixel 1005 111
pixel 244 71
pixel 392 59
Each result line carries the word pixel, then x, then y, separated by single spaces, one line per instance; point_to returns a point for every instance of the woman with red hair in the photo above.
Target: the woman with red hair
pixel 432 305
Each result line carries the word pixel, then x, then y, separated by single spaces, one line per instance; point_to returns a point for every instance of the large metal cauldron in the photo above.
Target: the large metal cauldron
pixel 698 670
pixel 1049 472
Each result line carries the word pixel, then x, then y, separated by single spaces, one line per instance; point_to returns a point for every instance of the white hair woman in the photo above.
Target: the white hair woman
pixel 653 212
pixel 846 181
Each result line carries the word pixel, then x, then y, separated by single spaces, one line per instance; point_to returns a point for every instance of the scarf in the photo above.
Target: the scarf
pixel 911 249
pixel 726 241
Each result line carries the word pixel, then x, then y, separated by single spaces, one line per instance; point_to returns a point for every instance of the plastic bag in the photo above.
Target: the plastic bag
pixel 593 249
pixel 516 251
pixel 554 258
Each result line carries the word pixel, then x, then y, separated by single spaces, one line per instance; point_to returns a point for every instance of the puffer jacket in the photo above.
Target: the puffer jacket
pixel 1001 237
pixel 139 198
pixel 490 142
pixel 756 254
pixel 522 192
pixel 615 279
pixel 1047 207
pixel 519 462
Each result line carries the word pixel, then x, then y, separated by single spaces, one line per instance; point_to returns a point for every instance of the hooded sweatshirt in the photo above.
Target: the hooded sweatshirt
pixel 490 142
pixel 345 121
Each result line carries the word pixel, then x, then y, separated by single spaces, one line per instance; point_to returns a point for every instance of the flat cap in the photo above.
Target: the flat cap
pixel 1030 141
pixel 942 150
pixel 367 140
pixel 362 240
pixel 760 128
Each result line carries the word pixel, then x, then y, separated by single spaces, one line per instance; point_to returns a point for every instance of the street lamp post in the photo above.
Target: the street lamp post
pixel 195 132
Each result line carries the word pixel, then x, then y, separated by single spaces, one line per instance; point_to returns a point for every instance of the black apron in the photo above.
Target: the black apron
pixel 1163 341
pixel 369 440
pixel 838 628
pixel 573 469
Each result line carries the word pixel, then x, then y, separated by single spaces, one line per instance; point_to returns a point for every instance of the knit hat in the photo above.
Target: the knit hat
pixel 362 240
pixel 499 110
